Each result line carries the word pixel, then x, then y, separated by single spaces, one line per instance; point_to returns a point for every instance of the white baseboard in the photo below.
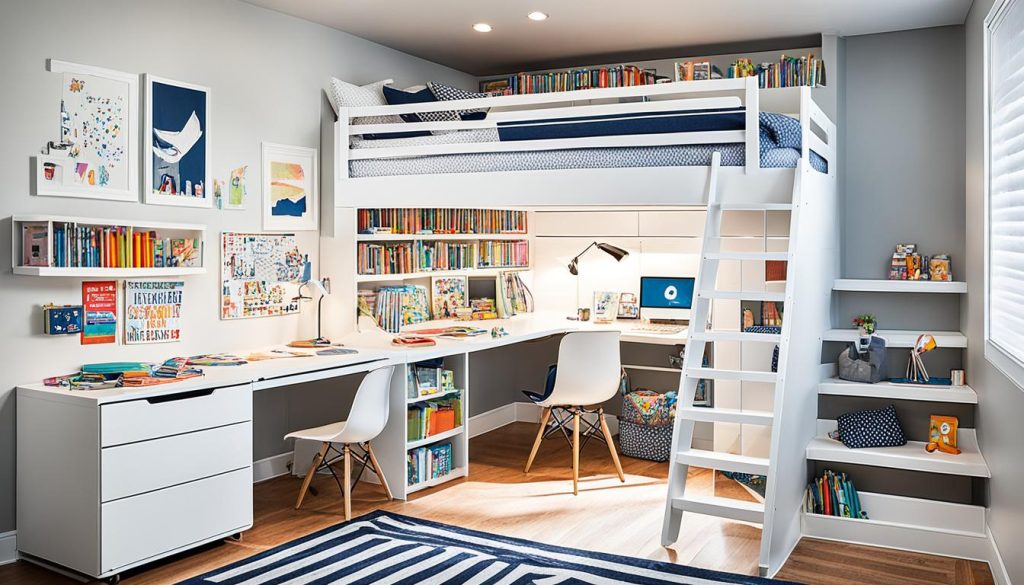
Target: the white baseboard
pixel 271 467
pixel 486 422
pixel 8 547
pixel 995 562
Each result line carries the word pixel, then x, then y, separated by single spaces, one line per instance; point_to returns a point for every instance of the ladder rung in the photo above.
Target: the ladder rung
pixel 756 206
pixel 726 415
pixel 744 375
pixel 741 510
pixel 735 336
pixel 723 461
pixel 747 256
pixel 743 295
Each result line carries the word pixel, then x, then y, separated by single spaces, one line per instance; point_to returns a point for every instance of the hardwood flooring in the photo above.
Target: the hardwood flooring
pixel 607 516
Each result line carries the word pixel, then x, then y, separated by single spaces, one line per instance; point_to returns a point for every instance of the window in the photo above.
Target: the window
pixel 1005 198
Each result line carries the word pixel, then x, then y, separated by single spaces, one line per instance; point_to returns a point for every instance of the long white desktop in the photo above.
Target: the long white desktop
pixel 112 479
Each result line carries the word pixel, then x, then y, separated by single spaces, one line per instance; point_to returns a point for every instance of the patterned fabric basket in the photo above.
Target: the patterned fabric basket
pixel 645 426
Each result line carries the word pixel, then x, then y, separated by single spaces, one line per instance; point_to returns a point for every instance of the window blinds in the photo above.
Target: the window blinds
pixel 1006 180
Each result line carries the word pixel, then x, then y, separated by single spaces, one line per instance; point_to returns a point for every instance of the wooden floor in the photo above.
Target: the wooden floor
pixel 607 516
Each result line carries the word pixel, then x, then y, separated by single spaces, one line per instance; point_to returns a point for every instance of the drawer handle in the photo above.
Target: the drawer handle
pixel 180 396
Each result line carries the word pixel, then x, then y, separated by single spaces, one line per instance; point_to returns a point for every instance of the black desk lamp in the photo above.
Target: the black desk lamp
pixel 613 251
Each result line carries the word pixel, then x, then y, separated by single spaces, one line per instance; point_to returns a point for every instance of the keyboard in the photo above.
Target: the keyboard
pixel 658 329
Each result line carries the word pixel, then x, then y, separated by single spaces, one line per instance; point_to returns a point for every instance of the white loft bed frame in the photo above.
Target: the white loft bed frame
pixel 676 185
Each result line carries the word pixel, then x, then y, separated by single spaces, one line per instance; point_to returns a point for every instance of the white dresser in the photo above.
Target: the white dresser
pixel 111 480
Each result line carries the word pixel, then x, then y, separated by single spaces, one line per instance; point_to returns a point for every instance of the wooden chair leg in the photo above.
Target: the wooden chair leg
pixel 575 453
pixel 611 444
pixel 347 483
pixel 377 470
pixel 312 471
pixel 544 417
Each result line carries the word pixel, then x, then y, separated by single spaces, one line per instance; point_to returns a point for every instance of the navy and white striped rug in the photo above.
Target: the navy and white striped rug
pixel 385 548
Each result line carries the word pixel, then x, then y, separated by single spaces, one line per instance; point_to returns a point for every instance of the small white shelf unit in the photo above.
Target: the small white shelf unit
pixel 904 286
pixel 458 436
pixel 165 229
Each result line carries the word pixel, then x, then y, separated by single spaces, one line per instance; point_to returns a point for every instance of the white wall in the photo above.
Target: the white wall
pixel 266 72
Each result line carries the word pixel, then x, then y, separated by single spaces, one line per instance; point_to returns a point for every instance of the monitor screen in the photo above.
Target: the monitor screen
pixel 666 292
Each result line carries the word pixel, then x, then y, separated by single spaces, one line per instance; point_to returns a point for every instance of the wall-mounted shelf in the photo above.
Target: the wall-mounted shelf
pixel 920 392
pixel 471 272
pixel 900 338
pixel 107 272
pixel 435 237
pixel 905 286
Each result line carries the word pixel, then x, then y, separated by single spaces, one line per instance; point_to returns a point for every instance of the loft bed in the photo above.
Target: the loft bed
pixel 645 145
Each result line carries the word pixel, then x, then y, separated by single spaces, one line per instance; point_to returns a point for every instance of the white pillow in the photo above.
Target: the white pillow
pixel 347 95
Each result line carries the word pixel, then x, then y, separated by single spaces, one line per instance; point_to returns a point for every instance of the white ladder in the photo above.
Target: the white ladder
pixel 700 334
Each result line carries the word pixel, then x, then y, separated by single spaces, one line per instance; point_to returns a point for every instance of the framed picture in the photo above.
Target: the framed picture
pixel 606 306
pixel 448 293
pixel 97 156
pixel 152 311
pixel 628 307
pixel 177 150
pixel 290 201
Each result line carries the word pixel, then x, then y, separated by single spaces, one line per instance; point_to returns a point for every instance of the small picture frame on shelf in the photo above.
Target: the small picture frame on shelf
pixel 605 306
pixel 628 306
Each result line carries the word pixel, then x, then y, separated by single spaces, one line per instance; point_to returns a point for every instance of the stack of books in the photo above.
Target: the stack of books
pixel 441 221
pixel 833 494
pixel 78 246
pixel 501 254
pixel 429 463
pixel 433 417
pixel 792 72
pixel 401 305
pixel 415 256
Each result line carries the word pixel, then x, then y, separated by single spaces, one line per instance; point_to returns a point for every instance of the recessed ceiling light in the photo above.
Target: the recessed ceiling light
pixel 482 27
pixel 537 15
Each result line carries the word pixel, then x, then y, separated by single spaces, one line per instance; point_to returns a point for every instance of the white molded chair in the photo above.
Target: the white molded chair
pixel 366 420
pixel 588 374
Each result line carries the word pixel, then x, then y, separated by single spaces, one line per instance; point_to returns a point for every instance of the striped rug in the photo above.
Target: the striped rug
pixel 384 548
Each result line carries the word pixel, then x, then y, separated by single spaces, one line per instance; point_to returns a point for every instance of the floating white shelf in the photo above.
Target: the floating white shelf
pixel 911 456
pixel 900 338
pixel 927 393
pixel 432 396
pixel 456 237
pixel 907 286
pixel 470 272
pixel 435 438
pixel 455 474
pixel 914 524
pixel 107 272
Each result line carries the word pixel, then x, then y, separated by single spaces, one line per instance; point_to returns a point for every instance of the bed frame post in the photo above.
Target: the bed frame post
pixel 341 151
pixel 753 125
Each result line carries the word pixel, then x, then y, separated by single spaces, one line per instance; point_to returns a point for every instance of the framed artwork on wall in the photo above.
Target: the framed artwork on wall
pixel 177 150
pixel 97 156
pixel 290 183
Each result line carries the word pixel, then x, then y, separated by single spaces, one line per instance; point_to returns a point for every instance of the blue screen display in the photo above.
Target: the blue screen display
pixel 657 292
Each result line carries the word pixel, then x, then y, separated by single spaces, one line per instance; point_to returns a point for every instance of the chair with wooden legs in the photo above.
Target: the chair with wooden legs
pixel 365 422
pixel 588 373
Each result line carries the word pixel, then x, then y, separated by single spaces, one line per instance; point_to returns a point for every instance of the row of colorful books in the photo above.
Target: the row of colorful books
pixel 433 417
pixel 833 494
pixel 441 221
pixel 395 306
pixel 425 256
pixel 427 381
pixel 429 463
pixel 572 79
pixel 76 246
pixel 787 72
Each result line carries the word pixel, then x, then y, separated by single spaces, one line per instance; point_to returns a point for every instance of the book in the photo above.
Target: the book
pixel 35 244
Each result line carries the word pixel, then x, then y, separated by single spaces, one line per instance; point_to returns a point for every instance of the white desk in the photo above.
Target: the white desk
pixel 112 479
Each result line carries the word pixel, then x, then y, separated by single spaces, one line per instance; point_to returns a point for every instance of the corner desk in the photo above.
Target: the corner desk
pixel 113 479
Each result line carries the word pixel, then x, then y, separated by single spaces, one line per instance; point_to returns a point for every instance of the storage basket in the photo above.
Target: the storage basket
pixel 645 426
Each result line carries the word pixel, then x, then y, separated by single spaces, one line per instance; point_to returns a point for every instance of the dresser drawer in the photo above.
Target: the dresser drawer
pixel 154 524
pixel 144 466
pixel 173 414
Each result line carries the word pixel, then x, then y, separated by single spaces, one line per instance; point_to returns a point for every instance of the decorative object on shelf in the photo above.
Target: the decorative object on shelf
pixel 916 371
pixel 748 318
pixel 236 189
pixel 152 311
pixel 865 324
pixel 940 268
pixel 447 294
pixel 871 428
pixel 62 319
pixel 605 306
pixel 957 377
pixel 258 273
pixel 628 307
pixel 35 244
pixel 99 303
pixel 833 494
pixel 613 251
pixel 177 160
pixel 863 361
pixel 97 155
pixel 942 434
pixel 497 332
pixel 907 264
pixel 323 286
pixel 290 181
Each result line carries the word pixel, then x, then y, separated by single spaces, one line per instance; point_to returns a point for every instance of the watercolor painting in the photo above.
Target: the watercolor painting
pixel 96 156
pixel 177 131
pixel 289 188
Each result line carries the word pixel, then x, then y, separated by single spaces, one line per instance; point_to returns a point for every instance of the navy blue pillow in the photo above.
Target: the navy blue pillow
pixel 398 97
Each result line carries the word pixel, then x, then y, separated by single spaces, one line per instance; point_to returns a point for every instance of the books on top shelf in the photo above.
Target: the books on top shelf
pixel 441 221
pixel 429 462
pixel 78 246
pixel 572 79
pixel 788 71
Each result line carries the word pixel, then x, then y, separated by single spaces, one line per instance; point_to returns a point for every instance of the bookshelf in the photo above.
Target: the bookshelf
pixel 458 436
pixel 100 263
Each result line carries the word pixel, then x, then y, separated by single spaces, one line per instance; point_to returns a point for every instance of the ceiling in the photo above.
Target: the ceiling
pixel 582 32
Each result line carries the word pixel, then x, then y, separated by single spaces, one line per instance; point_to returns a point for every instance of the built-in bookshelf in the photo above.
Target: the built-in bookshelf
pixel 437 441
pixel 51 245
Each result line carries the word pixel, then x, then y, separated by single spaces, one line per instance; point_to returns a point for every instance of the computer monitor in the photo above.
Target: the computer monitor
pixel 666 297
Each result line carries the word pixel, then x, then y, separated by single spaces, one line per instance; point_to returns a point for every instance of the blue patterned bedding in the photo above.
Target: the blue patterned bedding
pixel 780 148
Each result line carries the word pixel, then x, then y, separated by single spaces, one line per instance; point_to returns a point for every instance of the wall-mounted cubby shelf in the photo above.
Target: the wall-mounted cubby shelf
pixel 900 338
pixel 907 286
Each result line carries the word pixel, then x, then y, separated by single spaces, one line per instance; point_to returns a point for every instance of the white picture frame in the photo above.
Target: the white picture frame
pixel 278 158
pixel 49 169
pixel 167 98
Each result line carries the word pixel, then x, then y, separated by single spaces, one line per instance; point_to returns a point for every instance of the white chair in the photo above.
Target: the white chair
pixel 588 374
pixel 366 420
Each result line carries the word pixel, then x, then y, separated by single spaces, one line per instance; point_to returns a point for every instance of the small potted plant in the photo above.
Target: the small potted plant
pixel 865 324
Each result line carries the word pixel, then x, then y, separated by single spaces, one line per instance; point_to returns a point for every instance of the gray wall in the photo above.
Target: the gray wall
pixel 1000 402
pixel 266 72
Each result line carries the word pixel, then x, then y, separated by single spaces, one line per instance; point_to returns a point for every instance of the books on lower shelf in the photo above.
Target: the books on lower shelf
pixel 441 221
pixel 395 306
pixel 82 246
pixel 433 417
pixel 833 494
pixel 425 256
pixel 426 463
pixel 493 254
